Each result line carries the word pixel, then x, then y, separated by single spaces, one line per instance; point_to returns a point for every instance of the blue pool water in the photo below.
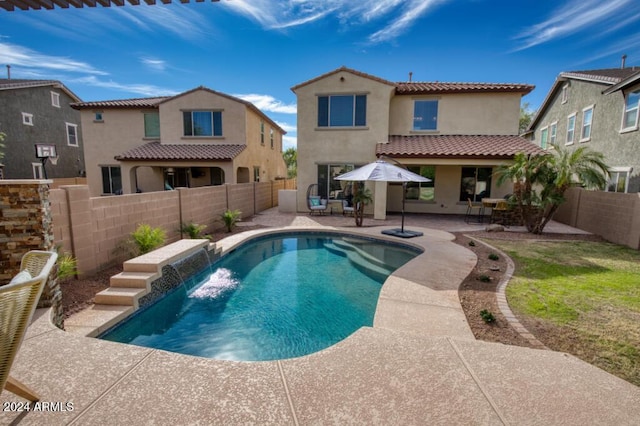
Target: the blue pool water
pixel 272 298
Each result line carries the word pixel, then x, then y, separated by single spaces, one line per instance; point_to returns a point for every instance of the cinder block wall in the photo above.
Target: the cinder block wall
pixel 241 197
pixel 613 216
pixel 203 206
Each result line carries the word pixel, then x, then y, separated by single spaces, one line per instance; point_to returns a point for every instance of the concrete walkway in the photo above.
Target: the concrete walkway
pixel 418 364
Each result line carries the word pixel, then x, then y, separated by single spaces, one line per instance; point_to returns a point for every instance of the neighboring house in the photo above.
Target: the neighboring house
pixel 597 109
pixel 39 112
pixel 453 133
pixel 197 138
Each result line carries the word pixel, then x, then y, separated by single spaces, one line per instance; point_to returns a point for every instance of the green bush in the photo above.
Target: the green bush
pixel 147 238
pixel 484 278
pixel 487 316
pixel 230 218
pixel 493 256
pixel 472 243
pixel 67 266
pixel 193 230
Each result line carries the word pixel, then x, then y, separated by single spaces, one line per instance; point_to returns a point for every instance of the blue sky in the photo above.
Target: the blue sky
pixel 259 49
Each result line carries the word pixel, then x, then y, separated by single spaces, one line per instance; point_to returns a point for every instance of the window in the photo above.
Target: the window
pixel 618 179
pixel 565 93
pixel 111 180
pixel 475 183
pixel 256 173
pixel 27 119
pixel 261 132
pixel 55 99
pixel 571 128
pixel 425 115
pixel 271 136
pixel 342 111
pixel 328 186
pixel 38 172
pixel 544 137
pixel 553 132
pixel 98 116
pixel 72 134
pixel 631 107
pixel 587 119
pixel 202 123
pixel 151 125
pixel 422 191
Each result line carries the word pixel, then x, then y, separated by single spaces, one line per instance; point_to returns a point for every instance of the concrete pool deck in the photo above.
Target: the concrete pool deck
pixel 418 364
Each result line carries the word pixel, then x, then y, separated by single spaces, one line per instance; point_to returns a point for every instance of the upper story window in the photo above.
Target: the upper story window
pixel 631 107
pixel 202 123
pixel 27 119
pixel 98 116
pixel 271 137
pixel 587 120
pixel 72 134
pixel 151 125
pixel 342 111
pixel 565 94
pixel 261 132
pixel 425 115
pixel 55 99
pixel 571 128
pixel 553 132
pixel 544 137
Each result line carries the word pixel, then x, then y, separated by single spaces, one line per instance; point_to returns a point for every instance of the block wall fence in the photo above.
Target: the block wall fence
pixel 90 228
pixel 613 216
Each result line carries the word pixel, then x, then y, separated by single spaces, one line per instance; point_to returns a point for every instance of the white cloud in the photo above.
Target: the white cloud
pixel 138 89
pixel 154 64
pixel 20 56
pixel 182 21
pixel 289 142
pixel 268 103
pixel 289 128
pixel 573 17
pixel 396 15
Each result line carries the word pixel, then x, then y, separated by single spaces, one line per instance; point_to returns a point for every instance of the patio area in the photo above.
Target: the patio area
pixel 418 364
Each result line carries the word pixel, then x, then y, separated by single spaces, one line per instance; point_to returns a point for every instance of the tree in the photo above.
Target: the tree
pixel 361 197
pixel 540 181
pixel 290 156
pixel 526 115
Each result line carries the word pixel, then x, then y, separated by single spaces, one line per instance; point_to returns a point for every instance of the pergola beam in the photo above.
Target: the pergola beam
pixel 11 5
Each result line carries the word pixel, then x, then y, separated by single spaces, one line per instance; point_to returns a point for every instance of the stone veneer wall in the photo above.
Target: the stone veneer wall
pixel 25 225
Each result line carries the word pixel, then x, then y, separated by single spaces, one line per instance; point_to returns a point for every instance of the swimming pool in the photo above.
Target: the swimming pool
pixel 273 297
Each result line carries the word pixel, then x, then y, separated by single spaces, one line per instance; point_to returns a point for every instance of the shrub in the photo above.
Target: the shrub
pixel 493 256
pixel 193 230
pixel 67 266
pixel 487 316
pixel 230 218
pixel 472 243
pixel 484 278
pixel 147 239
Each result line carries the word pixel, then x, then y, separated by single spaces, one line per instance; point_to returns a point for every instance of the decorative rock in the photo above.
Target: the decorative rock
pixel 494 268
pixel 494 228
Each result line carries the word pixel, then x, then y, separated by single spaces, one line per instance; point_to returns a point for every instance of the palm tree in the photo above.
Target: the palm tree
pixel 362 197
pixel 540 181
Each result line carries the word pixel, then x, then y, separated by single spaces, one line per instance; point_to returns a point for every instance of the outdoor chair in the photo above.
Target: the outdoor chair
pixel 315 203
pixel 18 301
pixel 471 208
pixel 346 209
pixel 500 213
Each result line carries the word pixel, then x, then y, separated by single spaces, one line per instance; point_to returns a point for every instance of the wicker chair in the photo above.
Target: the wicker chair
pixel 18 301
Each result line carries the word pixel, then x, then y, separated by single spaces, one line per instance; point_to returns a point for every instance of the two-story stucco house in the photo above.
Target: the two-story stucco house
pixel 38 112
pixel 453 133
pixel 597 109
pixel 196 138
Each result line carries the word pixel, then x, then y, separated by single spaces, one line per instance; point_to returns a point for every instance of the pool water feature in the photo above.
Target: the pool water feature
pixel 272 298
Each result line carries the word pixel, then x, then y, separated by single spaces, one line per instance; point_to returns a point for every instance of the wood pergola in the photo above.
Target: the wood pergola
pixel 11 5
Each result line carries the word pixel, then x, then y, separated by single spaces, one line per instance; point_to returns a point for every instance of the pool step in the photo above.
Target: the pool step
pixel 363 261
pixel 120 296
pixel 134 279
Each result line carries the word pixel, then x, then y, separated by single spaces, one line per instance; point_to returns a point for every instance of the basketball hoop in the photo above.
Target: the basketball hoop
pixel 46 152
pixel 54 160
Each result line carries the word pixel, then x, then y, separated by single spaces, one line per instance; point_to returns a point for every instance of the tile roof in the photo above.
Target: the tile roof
pixel 608 75
pixel 182 152
pixel 12 84
pixel 122 103
pixel 413 88
pixel 345 69
pixel 11 5
pixel 456 146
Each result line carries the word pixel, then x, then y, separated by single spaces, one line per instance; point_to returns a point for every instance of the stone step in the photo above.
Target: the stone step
pixel 134 279
pixel 120 296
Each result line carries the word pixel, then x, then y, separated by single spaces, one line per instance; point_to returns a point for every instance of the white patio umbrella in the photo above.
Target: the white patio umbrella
pixel 382 171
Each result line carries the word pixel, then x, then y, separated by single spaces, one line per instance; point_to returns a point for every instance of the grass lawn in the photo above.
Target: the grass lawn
pixel 580 297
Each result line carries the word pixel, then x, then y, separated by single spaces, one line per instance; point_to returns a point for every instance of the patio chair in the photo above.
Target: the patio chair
pixel 471 208
pixel 500 213
pixel 346 209
pixel 315 204
pixel 18 301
